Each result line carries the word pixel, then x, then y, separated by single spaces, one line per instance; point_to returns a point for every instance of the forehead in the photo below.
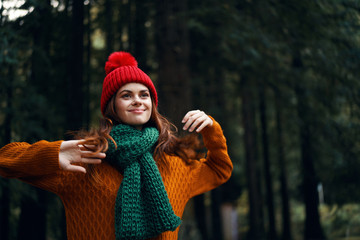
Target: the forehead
pixel 133 87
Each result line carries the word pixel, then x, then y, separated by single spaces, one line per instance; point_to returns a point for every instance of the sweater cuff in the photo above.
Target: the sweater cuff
pixel 211 130
pixel 213 135
pixel 50 153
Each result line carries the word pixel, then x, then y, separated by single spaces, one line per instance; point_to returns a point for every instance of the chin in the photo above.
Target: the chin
pixel 137 123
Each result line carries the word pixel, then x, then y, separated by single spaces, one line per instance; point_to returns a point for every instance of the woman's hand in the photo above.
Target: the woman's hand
pixel 196 119
pixel 74 152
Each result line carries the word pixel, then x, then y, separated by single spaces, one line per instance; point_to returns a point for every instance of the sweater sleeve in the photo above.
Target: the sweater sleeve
pixel 216 168
pixel 37 164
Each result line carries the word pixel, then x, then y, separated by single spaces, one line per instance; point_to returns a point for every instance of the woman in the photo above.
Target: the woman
pixel 131 178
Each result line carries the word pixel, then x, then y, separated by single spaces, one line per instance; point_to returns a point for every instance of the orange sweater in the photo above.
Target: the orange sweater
pixel 90 207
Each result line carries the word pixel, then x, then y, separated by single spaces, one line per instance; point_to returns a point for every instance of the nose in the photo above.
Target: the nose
pixel 136 101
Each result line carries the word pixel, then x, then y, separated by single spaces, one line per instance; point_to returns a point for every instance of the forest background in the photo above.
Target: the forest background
pixel 281 77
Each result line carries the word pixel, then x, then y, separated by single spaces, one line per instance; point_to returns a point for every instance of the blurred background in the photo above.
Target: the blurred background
pixel 280 76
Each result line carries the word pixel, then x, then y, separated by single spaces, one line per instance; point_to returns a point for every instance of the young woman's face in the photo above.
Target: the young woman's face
pixel 133 104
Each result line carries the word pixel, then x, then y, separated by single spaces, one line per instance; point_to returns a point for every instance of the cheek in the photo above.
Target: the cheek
pixel 149 105
pixel 120 106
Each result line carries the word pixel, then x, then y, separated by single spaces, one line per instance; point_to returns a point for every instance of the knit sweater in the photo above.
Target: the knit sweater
pixel 89 207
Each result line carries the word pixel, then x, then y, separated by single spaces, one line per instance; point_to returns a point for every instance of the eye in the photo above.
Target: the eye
pixel 145 95
pixel 126 96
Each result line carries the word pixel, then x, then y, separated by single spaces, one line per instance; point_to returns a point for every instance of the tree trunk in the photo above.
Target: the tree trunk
pixel 200 215
pixel 5 190
pixel 216 225
pixel 286 219
pixel 4 209
pixel 217 97
pixel 32 223
pixel 256 224
pixel 130 25
pixel 109 26
pixel 34 226
pixel 140 38
pixel 267 168
pixel 87 68
pixel 40 79
pixel 313 229
pixel 122 19
pixel 74 111
pixel 41 35
pixel 173 50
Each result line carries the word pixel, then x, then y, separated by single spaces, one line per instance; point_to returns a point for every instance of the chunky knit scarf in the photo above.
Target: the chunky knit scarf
pixel 142 207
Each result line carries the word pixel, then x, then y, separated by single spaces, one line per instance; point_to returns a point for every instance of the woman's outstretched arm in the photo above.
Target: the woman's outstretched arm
pixel 21 159
pixel 214 170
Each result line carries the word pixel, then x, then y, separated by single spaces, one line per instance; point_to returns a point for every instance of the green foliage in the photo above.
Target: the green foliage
pixel 341 221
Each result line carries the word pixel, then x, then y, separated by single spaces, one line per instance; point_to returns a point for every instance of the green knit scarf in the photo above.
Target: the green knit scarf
pixel 142 207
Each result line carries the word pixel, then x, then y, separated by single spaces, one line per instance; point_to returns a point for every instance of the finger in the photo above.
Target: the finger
pixel 189 114
pixel 70 144
pixel 197 122
pixel 81 141
pixel 84 159
pixel 206 123
pixel 75 168
pixel 83 146
pixel 192 119
pixel 89 154
pixel 87 147
pixel 91 160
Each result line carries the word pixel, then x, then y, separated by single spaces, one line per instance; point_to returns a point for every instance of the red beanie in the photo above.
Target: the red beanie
pixel 122 68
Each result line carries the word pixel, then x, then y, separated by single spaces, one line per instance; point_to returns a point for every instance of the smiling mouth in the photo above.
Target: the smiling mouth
pixel 137 110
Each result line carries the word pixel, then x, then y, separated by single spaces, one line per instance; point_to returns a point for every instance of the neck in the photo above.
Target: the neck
pixel 138 127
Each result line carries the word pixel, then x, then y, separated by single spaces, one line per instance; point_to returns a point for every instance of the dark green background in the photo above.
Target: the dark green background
pixel 281 77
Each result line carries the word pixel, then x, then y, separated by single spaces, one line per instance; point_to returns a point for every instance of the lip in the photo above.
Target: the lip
pixel 137 110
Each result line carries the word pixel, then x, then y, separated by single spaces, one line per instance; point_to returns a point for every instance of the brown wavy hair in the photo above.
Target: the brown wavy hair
pixel 187 147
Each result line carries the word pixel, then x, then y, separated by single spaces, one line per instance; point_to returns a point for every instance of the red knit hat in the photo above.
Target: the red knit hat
pixel 122 68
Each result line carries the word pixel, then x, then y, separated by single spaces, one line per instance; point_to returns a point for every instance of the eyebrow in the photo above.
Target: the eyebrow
pixel 126 90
